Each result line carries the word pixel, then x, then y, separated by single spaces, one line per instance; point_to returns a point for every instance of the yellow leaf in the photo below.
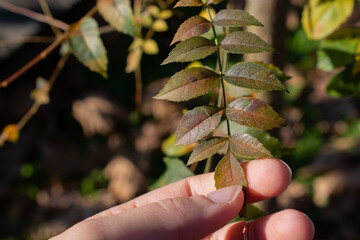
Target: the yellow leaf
pixel 146 21
pixel 170 149
pixel 165 14
pixel 12 133
pixel 133 60
pixel 195 64
pixel 160 26
pixel 205 14
pixel 153 10
pixel 150 47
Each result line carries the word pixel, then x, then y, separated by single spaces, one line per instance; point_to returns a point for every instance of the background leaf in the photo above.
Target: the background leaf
pixel 175 171
pixel 170 149
pixel 118 13
pixel 321 18
pixel 344 83
pixel 206 149
pixel 245 146
pixel 197 123
pixel 254 113
pixel 194 26
pixel 244 42
pixel 188 3
pixel 235 18
pixel 189 83
pixel 229 172
pixel 253 76
pixel 86 45
pixel 191 49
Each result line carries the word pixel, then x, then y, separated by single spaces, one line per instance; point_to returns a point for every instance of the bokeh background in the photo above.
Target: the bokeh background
pixel 91 148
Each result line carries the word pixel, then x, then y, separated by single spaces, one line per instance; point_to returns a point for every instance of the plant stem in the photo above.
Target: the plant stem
pixel 33 15
pixel 138 86
pixel 208 164
pixel 50 18
pixel 221 68
pixel 32 39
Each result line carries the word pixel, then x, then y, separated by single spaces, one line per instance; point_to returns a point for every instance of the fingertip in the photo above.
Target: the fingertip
pixel 289 224
pixel 267 178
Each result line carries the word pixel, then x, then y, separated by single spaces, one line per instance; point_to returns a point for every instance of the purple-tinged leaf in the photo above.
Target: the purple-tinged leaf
pixel 229 172
pixel 244 42
pixel 254 113
pixel 194 26
pixel 188 3
pixel 188 84
pixel 235 18
pixel 197 123
pixel 206 149
pixel 191 49
pixel 253 76
pixel 244 146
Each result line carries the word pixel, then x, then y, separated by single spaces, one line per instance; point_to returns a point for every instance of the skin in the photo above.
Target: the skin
pixel 193 209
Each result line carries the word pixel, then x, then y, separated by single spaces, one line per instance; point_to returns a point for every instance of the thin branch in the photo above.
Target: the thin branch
pixel 45 7
pixel 33 15
pixel 32 39
pixel 34 61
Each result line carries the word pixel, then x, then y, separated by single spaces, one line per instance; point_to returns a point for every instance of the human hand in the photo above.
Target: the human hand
pixel 193 209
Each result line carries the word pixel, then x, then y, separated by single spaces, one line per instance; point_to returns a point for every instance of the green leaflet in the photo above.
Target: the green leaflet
pixel 244 146
pixel 191 49
pixel 321 18
pixel 229 172
pixel 253 76
pixel 254 113
pixel 194 26
pixel 118 13
pixel 244 42
pixel 85 42
pixel 206 149
pixel 188 84
pixel 197 123
pixel 235 18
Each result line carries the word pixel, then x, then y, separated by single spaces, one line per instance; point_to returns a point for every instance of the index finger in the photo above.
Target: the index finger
pixel 266 178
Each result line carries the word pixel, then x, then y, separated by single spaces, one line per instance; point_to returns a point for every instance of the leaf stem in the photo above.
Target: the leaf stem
pixel 33 15
pixel 220 67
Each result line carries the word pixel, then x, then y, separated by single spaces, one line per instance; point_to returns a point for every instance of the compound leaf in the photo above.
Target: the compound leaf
pixel 254 113
pixel 188 3
pixel 244 42
pixel 194 26
pixel 191 49
pixel 118 13
pixel 229 172
pixel 235 18
pixel 189 83
pixel 244 146
pixel 86 45
pixel 253 76
pixel 206 149
pixel 197 123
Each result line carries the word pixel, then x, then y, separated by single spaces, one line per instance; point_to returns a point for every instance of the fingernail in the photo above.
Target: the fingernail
pixel 225 195
pixel 290 172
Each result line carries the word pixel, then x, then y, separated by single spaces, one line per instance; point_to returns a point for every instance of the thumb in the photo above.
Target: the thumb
pixel 176 218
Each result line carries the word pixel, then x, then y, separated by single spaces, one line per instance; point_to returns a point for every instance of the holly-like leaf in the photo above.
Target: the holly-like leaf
pixel 206 149
pixel 194 26
pixel 321 18
pixel 189 83
pixel 254 113
pixel 170 149
pixel 118 13
pixel 245 146
pixel 235 18
pixel 191 49
pixel 229 172
pixel 188 3
pixel 253 76
pixel 244 42
pixel 197 123
pixel 86 45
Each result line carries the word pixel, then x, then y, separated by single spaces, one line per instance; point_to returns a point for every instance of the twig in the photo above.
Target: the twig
pixel 33 15
pixel 50 18
pixel 32 39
